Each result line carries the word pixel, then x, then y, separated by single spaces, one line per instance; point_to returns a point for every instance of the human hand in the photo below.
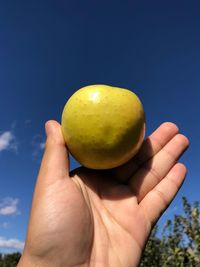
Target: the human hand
pixel 101 218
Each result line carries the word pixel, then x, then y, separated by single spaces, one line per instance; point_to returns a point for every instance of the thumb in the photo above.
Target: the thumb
pixel 55 162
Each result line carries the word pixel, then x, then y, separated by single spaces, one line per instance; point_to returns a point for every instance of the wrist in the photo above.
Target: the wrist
pixel 30 261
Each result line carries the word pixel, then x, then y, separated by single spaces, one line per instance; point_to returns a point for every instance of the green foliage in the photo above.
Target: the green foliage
pixel 179 245
pixel 152 252
pixel 9 260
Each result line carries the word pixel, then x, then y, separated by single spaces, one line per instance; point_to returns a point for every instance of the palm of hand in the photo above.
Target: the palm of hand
pixel 118 226
pixel 92 216
pixel 104 218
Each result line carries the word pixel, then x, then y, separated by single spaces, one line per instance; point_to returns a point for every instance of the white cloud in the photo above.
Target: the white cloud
pixel 38 145
pixel 5 225
pixel 42 145
pixel 8 206
pixel 8 141
pixel 11 243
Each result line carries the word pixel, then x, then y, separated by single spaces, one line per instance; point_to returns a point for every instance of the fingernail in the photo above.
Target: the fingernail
pixel 48 128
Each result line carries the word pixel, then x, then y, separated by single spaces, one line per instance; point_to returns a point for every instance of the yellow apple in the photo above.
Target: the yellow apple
pixel 103 126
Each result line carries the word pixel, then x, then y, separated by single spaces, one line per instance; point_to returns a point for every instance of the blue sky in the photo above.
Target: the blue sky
pixel 49 49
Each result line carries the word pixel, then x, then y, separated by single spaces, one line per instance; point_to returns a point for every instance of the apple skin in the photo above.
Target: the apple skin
pixel 103 126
